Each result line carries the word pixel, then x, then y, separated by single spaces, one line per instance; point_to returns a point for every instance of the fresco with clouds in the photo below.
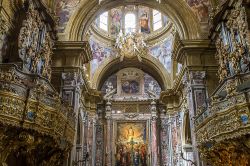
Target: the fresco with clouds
pixel 163 52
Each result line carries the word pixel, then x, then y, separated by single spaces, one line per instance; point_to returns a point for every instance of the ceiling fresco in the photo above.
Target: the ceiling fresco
pixel 65 9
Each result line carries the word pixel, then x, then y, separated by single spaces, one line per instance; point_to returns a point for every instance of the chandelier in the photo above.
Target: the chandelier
pixel 100 1
pixel 131 45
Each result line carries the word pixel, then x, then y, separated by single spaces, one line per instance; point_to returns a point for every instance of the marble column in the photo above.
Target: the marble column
pixel 85 139
pixel 109 134
pixel 71 92
pixel 91 140
pixel 154 145
pixel 99 140
pixel 164 137
pixel 196 98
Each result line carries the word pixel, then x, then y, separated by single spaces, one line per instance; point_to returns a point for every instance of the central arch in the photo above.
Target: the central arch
pixel 185 21
pixel 149 65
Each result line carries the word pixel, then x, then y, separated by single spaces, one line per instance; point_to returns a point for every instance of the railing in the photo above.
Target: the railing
pixel 226 117
pixel 30 102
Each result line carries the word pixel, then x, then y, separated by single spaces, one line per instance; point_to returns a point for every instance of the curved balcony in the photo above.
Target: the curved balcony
pixel 227 117
pixel 29 102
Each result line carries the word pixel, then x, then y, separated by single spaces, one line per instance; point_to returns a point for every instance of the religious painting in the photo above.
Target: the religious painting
pixel 200 8
pixel 163 52
pixel 116 21
pixel 130 86
pixel 200 98
pixel 151 86
pixel 131 146
pixel 100 53
pixel 64 9
pixel 144 19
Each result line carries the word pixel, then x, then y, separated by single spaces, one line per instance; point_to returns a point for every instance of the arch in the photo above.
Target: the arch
pixel 149 65
pixel 187 25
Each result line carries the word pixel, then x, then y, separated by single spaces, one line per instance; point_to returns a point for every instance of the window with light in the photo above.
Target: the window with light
pixel 130 23
pixel 104 21
pixel 157 20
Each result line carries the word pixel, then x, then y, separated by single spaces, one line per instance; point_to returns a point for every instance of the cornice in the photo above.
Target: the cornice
pixel 183 47
pixel 74 48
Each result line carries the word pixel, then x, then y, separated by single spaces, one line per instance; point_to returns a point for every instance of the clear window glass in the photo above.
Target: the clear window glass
pixel 104 21
pixel 130 23
pixel 157 20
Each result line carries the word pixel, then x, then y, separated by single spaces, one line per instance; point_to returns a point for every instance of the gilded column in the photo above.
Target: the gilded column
pixel 109 134
pixel 154 147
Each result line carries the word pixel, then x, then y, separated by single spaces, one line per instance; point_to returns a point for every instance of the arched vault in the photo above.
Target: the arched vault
pixel 186 23
pixel 149 65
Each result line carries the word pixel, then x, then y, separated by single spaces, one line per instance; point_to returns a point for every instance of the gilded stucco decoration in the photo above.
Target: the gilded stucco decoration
pixel 30 105
pixel 131 45
pixel 232 44
pixel 35 44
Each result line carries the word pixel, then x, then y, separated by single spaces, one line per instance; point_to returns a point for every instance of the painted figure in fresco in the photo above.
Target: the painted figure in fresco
pixel 200 8
pixel 64 9
pixel 134 87
pixel 130 87
pixel 136 157
pixel 116 22
pixel 144 22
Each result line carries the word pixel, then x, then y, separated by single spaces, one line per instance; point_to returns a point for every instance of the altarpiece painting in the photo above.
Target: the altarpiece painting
pixel 131 144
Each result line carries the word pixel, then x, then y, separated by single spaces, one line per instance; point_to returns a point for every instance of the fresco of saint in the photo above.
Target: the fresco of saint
pixel 200 8
pixel 144 20
pixel 64 9
pixel 163 53
pixel 116 21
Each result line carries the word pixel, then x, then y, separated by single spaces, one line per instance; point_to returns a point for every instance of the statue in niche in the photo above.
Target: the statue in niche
pixel 151 86
pixel 109 88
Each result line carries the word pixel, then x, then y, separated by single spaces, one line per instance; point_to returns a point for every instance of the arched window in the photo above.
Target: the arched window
pixel 130 23
pixel 157 20
pixel 104 21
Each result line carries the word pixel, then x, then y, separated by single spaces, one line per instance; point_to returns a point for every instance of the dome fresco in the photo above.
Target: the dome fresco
pixel 146 21
pixel 66 8
pixel 161 51
pixel 132 18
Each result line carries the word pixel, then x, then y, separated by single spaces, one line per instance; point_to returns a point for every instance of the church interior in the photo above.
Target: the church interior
pixel 124 83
